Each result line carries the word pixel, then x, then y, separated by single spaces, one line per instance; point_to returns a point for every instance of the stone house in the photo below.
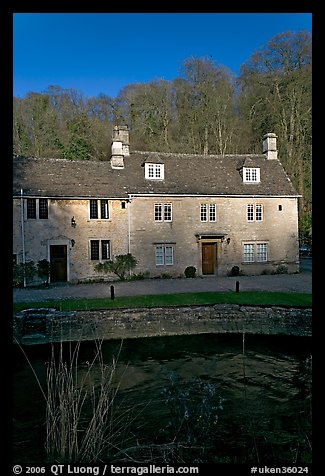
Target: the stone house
pixel 169 210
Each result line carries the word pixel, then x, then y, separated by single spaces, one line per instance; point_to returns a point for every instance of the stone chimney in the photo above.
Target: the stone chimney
pixel 120 146
pixel 269 146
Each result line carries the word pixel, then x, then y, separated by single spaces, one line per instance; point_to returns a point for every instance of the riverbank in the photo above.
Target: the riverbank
pixel 39 326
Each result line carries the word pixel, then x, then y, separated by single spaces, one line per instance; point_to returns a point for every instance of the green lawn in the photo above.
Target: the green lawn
pixel 162 300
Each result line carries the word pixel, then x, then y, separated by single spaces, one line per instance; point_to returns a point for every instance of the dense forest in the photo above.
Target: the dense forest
pixel 205 110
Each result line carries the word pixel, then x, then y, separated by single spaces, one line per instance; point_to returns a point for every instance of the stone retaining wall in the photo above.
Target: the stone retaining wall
pixel 33 326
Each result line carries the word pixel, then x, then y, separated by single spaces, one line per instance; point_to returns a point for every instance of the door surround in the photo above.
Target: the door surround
pixel 214 241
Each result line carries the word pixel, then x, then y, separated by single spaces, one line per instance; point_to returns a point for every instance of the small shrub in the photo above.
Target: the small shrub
pixel 120 265
pixel 139 276
pixel 190 272
pixel 265 272
pixel 21 270
pixel 166 276
pixel 281 269
pixel 235 271
pixel 43 270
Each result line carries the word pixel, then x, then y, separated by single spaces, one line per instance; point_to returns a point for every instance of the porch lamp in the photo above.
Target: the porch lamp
pixel 73 222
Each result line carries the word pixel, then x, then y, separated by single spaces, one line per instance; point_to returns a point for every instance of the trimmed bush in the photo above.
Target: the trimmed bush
pixel 190 272
pixel 235 271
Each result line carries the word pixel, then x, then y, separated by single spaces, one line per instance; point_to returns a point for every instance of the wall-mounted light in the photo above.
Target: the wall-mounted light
pixel 73 243
pixel 228 241
pixel 73 222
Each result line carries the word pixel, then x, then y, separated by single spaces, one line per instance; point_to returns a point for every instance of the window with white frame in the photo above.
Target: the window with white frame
pixel 167 212
pixel 212 212
pixel 208 212
pixel 158 212
pixel 100 250
pixel 254 212
pixel 261 252
pixel 163 212
pixel 154 171
pixel 164 255
pixel 255 252
pixel 258 212
pixel 99 209
pixel 250 212
pixel 251 174
pixel 248 252
pixel 204 212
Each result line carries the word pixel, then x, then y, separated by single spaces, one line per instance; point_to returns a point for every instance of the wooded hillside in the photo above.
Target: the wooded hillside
pixel 205 110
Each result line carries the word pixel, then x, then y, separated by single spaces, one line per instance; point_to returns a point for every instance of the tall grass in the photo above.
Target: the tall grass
pixel 83 421
pixel 70 435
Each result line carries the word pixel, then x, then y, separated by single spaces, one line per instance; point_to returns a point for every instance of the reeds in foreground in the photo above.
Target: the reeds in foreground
pixel 79 411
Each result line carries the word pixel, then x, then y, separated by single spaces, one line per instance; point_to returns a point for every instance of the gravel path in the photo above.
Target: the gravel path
pixel 301 282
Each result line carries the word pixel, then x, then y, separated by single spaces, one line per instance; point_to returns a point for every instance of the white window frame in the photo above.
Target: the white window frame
pixel 254 212
pixel 258 212
pixel 163 212
pixel 158 212
pixel 248 253
pixel 212 212
pixel 154 171
pixel 259 252
pixel 208 212
pixel 203 212
pixel 250 212
pixel 168 212
pixel 164 255
pixel 251 175
pixel 262 253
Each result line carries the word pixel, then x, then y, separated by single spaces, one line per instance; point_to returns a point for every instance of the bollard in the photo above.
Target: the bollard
pixel 112 293
pixel 237 286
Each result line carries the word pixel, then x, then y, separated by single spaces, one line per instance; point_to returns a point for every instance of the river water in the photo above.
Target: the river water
pixel 221 398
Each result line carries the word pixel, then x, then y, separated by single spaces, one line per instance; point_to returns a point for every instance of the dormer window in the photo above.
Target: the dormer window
pixel 251 174
pixel 154 171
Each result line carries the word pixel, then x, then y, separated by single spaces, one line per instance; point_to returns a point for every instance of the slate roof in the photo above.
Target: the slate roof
pixel 185 174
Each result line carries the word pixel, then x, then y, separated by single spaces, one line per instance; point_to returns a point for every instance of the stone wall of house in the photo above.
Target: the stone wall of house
pixel 57 230
pixel 278 229
pixel 49 325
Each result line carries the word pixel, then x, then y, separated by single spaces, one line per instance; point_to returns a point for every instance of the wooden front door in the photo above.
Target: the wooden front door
pixel 58 262
pixel 208 258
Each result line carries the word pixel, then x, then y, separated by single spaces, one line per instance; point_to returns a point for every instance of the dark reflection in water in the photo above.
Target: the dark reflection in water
pixel 203 398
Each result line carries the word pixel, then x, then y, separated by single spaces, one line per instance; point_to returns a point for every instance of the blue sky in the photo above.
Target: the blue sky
pixel 98 53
